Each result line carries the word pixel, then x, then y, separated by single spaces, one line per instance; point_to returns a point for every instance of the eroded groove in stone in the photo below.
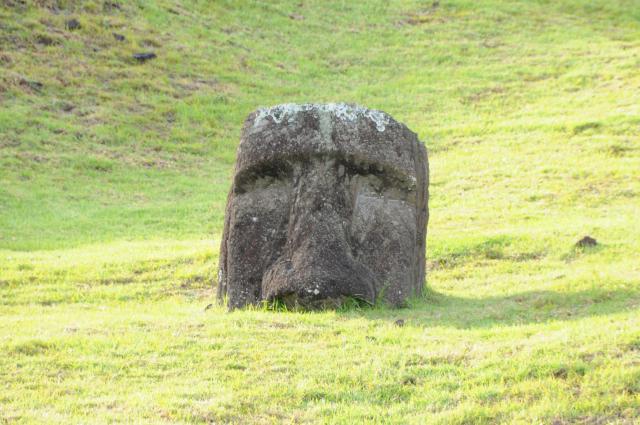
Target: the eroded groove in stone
pixel 328 202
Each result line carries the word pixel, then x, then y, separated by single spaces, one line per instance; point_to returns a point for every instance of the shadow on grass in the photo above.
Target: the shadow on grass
pixel 437 309
pixel 501 247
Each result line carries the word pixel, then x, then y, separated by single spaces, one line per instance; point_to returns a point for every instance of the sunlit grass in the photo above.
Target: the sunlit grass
pixel 114 177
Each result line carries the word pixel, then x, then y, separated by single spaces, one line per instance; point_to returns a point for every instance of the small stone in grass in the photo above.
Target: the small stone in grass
pixel 72 24
pixel 399 323
pixel 143 57
pixel 586 241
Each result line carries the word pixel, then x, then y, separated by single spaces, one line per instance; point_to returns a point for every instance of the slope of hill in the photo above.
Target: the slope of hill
pixel 114 173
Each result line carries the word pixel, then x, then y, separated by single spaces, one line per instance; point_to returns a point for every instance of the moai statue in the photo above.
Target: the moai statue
pixel 328 202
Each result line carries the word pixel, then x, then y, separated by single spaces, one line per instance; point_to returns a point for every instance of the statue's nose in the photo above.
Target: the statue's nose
pixel 316 263
pixel 317 272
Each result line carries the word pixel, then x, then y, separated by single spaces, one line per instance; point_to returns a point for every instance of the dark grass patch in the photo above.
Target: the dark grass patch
pixel 121 280
pixel 101 165
pixel 198 281
pixel 581 128
pixel 633 346
pixel 618 150
pixel 560 371
pixel 484 94
pixel 579 250
pixel 32 348
pixel 47 40
pixel 423 16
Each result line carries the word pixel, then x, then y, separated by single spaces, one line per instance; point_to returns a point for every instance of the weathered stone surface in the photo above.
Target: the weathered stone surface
pixel 327 202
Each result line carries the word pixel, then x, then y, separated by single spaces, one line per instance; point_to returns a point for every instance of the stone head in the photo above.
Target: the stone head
pixel 327 202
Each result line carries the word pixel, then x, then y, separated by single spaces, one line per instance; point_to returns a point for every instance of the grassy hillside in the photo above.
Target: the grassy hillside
pixel 113 179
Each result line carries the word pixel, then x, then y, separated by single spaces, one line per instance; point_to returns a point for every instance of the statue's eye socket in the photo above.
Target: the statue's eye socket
pixel 376 180
pixel 262 176
pixel 353 168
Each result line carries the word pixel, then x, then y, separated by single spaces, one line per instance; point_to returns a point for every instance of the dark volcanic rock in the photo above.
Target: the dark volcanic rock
pixel 587 241
pixel 327 202
pixel 143 57
pixel 72 24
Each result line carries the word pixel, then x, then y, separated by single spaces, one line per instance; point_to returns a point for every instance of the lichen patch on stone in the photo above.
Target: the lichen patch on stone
pixel 342 111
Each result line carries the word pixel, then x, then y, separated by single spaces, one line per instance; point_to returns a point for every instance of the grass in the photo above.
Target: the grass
pixel 114 175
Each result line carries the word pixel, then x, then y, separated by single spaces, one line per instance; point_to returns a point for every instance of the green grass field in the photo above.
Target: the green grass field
pixel 114 175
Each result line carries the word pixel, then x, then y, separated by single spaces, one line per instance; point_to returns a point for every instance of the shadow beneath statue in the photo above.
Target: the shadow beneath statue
pixel 436 309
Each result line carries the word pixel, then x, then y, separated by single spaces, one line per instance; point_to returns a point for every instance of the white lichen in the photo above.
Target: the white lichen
pixel 342 111
pixel 379 118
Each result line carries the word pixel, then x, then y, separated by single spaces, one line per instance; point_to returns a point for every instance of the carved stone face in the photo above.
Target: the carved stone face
pixel 327 202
